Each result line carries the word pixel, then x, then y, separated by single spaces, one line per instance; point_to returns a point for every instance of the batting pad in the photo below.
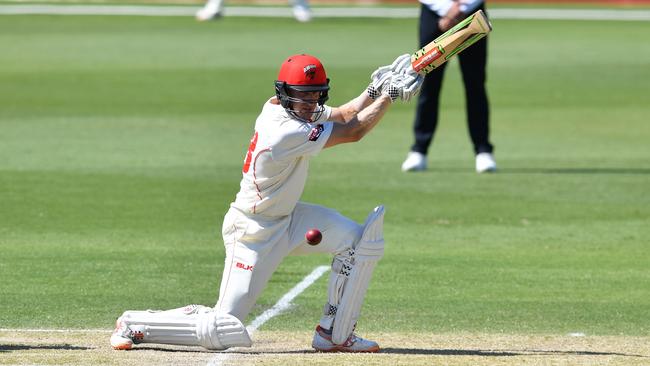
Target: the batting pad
pixel 341 268
pixel 368 251
pixel 192 325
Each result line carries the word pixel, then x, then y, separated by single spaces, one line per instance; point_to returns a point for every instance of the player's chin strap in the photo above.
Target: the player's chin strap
pixel 351 273
pixel 314 116
pixel 192 325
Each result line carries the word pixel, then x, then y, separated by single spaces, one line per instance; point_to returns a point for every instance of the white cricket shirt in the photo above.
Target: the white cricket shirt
pixel 276 164
pixel 441 7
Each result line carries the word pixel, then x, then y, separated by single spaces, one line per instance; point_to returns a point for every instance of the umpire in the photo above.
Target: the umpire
pixel 436 17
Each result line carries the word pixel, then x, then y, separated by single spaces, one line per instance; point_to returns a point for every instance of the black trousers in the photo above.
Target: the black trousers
pixel 473 62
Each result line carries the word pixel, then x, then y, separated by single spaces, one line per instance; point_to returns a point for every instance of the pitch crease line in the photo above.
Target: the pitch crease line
pixel 283 304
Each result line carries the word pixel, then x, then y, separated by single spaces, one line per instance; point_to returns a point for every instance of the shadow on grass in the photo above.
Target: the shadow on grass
pixel 450 352
pixel 586 171
pixel 639 171
pixel 23 347
pixel 499 353
pixel 412 351
pixel 583 353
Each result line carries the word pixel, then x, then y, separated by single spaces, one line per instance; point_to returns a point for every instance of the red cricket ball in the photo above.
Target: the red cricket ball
pixel 313 236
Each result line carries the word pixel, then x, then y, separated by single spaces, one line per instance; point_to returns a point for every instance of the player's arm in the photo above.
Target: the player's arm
pixel 351 109
pixel 356 118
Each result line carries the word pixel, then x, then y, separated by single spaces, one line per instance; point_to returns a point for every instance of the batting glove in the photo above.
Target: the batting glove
pixel 406 84
pixel 412 85
pixel 383 74
pixel 392 90
pixel 379 79
pixel 401 64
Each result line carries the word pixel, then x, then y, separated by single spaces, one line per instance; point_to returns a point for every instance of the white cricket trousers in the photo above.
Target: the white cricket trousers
pixel 255 246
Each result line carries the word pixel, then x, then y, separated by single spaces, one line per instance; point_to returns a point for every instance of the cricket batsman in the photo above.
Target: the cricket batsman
pixel 267 221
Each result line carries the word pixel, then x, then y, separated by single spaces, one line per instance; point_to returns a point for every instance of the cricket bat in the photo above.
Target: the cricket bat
pixel 450 43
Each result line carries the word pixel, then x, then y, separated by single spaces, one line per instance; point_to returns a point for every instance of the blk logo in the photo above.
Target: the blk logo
pixel 245 267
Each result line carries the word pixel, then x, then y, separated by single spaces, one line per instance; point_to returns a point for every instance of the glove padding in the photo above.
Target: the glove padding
pixel 383 74
pixel 393 91
pixel 404 86
pixel 402 64
pixel 376 85
pixel 408 83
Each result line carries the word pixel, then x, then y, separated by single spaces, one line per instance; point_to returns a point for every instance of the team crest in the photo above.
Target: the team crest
pixel 310 71
pixel 315 132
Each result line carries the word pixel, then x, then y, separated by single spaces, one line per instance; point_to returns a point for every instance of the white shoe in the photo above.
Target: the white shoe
pixel 323 343
pixel 485 163
pixel 414 162
pixel 211 10
pixel 123 337
pixel 301 13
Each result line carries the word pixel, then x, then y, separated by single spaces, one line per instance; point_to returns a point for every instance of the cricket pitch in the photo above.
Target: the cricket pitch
pixel 22 347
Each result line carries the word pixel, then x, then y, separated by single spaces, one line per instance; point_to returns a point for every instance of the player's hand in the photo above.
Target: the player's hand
pixel 453 17
pixel 404 86
pixel 382 76
pixel 445 24
pixel 392 90
pixel 378 80
pixel 412 86
pixel 401 63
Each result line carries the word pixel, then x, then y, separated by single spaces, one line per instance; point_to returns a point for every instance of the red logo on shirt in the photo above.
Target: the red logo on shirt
pixel 249 153
pixel 315 132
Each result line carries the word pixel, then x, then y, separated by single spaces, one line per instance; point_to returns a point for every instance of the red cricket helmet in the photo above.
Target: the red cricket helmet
pixel 302 73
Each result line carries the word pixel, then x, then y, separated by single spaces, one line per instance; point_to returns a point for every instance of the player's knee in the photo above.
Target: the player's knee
pixel 355 233
pixel 352 233
pixel 371 245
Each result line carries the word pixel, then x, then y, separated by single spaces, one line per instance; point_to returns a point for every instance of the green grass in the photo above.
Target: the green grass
pixel 122 139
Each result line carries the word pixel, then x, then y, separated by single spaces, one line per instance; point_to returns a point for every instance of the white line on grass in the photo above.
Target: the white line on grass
pixel 285 302
pixel 319 12
pixel 282 305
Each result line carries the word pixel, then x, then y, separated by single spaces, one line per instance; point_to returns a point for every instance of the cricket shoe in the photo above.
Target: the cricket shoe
pixel 414 162
pixel 323 343
pixel 485 163
pixel 302 13
pixel 211 10
pixel 124 337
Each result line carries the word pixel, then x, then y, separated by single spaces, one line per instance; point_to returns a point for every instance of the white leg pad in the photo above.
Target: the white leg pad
pixel 367 252
pixel 193 325
pixel 349 309
pixel 341 269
